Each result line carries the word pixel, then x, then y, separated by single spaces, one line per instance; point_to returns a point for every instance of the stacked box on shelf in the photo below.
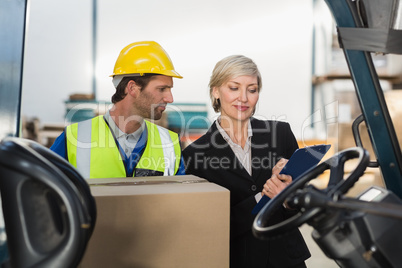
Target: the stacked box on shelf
pixel 188 116
pixel 341 132
pixel 79 110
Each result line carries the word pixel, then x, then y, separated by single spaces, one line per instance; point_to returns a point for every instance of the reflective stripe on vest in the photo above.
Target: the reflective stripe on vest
pixel 161 138
pixel 91 148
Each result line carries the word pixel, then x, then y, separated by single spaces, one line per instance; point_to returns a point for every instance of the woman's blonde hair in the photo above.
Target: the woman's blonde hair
pixel 228 68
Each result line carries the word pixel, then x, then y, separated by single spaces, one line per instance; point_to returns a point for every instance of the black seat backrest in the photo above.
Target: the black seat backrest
pixel 47 218
pixel 72 173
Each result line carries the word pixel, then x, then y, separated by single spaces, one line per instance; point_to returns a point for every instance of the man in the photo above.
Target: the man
pixel 121 143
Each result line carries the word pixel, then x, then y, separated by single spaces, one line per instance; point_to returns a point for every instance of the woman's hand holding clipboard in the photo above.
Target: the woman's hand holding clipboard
pixel 302 160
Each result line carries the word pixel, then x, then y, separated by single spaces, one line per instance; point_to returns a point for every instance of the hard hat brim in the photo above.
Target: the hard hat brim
pixel 166 73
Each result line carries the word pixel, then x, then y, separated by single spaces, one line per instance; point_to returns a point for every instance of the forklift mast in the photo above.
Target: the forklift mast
pixel 365 27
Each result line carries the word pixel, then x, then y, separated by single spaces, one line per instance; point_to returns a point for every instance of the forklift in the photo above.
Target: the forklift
pixel 354 232
pixel 361 231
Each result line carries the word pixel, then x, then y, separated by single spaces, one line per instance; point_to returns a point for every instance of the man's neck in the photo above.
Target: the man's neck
pixel 126 122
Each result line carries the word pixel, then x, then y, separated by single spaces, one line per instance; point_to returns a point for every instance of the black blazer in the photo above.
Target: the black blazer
pixel 211 157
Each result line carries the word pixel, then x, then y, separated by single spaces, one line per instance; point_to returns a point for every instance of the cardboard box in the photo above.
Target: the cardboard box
pixel 176 221
pixel 372 177
pixel 393 99
pixel 342 136
pixel 385 65
pixel 342 133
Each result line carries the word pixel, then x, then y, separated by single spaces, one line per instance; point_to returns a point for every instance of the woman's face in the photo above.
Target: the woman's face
pixel 238 97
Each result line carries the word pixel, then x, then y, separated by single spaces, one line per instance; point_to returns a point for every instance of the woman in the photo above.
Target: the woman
pixel 239 153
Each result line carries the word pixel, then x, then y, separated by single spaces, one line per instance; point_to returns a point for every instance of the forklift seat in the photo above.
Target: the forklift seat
pixel 72 173
pixel 48 210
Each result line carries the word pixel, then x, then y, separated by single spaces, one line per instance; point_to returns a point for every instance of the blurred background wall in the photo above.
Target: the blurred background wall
pixel 277 35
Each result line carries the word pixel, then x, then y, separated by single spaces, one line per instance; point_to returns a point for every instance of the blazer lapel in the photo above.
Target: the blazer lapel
pixel 220 148
pixel 259 146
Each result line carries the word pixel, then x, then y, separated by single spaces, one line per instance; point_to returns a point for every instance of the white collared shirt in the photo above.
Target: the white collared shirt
pixel 242 154
pixel 126 141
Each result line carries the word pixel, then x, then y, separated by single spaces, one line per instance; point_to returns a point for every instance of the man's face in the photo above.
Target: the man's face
pixel 153 99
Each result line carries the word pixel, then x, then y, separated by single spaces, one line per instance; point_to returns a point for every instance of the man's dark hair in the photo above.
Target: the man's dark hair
pixel 141 81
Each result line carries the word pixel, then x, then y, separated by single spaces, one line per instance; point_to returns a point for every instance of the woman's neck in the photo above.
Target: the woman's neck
pixel 236 129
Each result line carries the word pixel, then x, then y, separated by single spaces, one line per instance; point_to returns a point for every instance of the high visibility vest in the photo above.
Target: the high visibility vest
pixel 91 148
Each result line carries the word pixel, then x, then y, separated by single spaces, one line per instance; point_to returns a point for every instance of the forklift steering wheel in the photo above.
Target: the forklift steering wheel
pixel 336 187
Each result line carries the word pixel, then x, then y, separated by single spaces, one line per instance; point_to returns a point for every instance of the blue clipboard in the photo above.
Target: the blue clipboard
pixel 302 160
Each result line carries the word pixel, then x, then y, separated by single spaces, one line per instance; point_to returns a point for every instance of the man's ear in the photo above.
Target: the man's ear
pixel 133 89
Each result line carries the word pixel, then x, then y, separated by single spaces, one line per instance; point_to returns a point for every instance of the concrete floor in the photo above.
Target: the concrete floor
pixel 318 258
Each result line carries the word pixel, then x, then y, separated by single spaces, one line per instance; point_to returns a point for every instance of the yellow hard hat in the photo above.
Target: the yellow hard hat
pixel 144 57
